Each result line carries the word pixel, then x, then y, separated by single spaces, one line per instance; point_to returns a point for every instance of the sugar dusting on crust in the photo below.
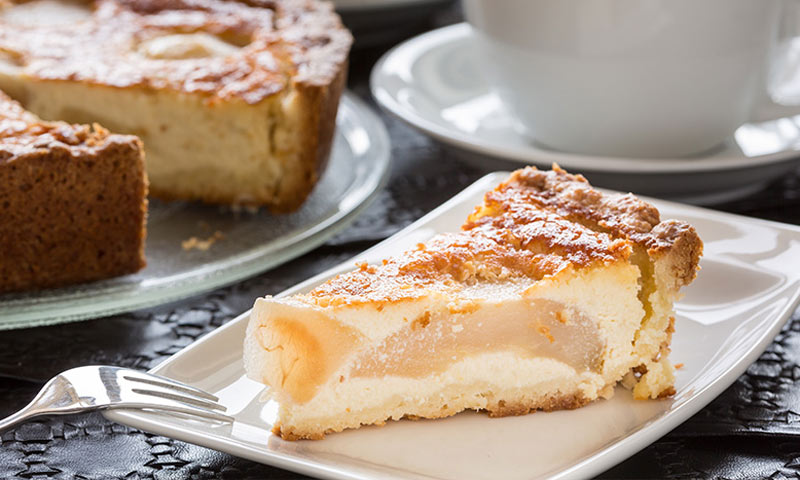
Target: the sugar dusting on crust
pixel 508 238
pixel 22 133
pixel 620 215
pixel 534 224
pixel 271 43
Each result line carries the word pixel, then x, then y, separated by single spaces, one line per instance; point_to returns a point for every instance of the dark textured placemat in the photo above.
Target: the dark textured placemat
pixel 751 431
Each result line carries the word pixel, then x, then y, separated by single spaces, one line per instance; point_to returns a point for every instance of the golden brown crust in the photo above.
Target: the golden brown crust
pixel 509 236
pixel 679 242
pixel 22 133
pixel 549 404
pixel 619 215
pixel 292 436
pixel 298 39
pixel 72 199
pixel 441 264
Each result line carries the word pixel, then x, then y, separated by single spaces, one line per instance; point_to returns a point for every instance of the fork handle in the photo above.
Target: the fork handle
pixel 19 417
pixel 51 399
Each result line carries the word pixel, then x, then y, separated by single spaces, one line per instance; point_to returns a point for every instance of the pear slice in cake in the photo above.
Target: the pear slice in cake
pixel 551 294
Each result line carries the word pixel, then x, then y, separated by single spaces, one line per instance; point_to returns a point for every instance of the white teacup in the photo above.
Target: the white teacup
pixel 633 78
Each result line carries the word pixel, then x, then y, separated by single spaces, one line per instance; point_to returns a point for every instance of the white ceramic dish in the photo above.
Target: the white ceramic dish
pixel 251 242
pixel 748 287
pixel 435 83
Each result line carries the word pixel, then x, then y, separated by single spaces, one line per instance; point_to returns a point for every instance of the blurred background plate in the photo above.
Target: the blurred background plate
pixel 435 83
pixel 240 242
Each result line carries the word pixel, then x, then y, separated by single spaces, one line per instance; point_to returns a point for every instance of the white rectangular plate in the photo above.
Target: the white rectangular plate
pixel 748 287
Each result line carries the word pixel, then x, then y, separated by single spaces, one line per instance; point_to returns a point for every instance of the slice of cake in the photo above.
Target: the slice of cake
pixel 235 101
pixel 550 295
pixel 72 202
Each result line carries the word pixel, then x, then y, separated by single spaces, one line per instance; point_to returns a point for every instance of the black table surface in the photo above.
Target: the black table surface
pixel 751 431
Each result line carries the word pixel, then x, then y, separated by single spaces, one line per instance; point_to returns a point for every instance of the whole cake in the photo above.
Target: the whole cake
pixel 235 101
pixel 550 295
pixel 73 202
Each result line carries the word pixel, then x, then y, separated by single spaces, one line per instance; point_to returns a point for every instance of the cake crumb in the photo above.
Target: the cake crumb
pixel 543 330
pixel 422 321
pixel 678 366
pixel 239 208
pixel 195 243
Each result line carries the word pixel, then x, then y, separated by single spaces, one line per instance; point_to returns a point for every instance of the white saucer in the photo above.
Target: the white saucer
pixel 435 83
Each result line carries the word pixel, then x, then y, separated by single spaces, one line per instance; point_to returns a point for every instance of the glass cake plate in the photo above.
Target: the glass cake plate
pixel 192 248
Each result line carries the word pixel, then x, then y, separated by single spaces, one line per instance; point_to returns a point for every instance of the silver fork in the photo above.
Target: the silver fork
pixel 91 388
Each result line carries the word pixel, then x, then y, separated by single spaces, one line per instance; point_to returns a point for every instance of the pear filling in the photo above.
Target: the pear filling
pixel 535 328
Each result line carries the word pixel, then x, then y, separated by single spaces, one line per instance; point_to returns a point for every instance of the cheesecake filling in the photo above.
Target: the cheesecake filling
pixel 532 328
pixel 430 344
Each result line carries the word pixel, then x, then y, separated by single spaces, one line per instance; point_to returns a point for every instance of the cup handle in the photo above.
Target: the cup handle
pixel 784 70
pixel 771 110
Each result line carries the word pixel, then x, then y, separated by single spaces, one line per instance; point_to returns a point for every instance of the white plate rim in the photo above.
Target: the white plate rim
pixel 596 463
pixel 414 47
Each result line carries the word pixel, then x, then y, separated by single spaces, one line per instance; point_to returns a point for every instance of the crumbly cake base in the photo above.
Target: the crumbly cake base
pixel 498 409
pixel 493 399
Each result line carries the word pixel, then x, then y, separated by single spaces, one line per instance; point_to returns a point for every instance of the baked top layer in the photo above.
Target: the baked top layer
pixel 223 49
pixel 23 133
pixel 534 224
